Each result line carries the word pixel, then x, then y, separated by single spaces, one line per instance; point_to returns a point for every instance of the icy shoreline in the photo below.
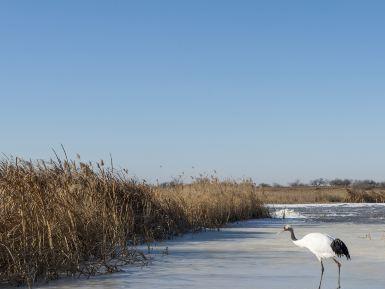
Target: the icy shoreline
pixel 250 255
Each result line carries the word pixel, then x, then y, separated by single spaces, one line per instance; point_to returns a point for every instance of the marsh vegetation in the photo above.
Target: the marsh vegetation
pixel 64 217
pixel 321 194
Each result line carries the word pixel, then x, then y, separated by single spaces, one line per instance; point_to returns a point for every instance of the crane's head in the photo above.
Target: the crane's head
pixel 286 228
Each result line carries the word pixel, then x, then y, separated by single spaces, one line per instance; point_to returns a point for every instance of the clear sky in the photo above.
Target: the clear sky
pixel 273 90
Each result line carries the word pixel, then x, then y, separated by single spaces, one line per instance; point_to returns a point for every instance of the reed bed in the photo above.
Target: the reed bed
pixel 209 203
pixel 63 217
pixel 327 194
pixel 356 195
pixel 303 194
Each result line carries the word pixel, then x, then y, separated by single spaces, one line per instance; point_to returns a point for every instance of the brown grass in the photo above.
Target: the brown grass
pixel 209 202
pixel 66 217
pixel 356 195
pixel 310 194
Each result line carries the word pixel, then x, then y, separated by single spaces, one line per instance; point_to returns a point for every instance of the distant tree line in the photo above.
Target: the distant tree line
pixel 322 182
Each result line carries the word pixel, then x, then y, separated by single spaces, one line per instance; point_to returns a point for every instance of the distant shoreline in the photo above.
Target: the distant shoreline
pixel 311 194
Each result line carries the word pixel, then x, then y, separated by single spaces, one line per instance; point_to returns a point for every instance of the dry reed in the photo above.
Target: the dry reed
pixel 327 194
pixel 355 195
pixel 63 217
pixel 303 194
pixel 209 202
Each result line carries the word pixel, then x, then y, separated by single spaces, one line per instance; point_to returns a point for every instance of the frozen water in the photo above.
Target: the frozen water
pixel 363 213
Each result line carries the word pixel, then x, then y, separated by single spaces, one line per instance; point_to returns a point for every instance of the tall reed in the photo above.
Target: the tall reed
pixel 209 202
pixel 63 217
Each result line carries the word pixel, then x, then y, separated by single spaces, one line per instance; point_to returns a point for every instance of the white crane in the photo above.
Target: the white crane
pixel 323 247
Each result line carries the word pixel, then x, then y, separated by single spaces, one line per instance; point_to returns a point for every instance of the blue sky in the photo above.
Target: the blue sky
pixel 273 90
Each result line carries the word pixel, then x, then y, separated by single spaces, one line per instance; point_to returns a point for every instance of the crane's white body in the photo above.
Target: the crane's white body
pixel 318 244
pixel 323 247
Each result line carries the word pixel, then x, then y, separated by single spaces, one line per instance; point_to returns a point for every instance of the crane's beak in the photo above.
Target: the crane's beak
pixel 280 232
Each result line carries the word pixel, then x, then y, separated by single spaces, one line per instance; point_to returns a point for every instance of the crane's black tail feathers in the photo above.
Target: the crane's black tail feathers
pixel 340 248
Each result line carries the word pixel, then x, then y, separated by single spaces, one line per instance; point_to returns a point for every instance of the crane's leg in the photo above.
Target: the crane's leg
pixel 322 273
pixel 339 272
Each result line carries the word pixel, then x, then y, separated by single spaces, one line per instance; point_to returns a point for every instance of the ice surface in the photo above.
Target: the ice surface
pixel 251 255
pixel 286 213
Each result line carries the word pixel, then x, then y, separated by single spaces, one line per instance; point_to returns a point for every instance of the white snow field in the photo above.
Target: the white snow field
pixel 250 254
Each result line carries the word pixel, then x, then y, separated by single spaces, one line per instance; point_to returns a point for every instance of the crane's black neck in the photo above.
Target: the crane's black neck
pixel 292 234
